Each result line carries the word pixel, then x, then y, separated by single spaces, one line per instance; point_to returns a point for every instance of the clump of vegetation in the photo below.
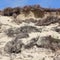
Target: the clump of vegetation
pixel 26 10
pixel 49 42
pixel 16 33
pixel 31 43
pixel 38 11
pixel 11 11
pixel 1 12
pixel 16 10
pixel 49 20
pixel 8 11
pixel 13 46
pixel 29 29
pixel 10 32
pixel 30 20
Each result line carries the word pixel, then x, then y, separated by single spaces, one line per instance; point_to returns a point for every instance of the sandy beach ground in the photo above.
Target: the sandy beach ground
pixel 33 53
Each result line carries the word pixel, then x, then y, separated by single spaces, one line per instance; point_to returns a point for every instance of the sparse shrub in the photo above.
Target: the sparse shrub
pixel 36 6
pixel 30 20
pixel 38 11
pixel 21 31
pixel 31 43
pixel 13 46
pixel 49 20
pixel 48 42
pixel 16 33
pixel 22 35
pixel 16 10
pixel 11 11
pixel 8 11
pixel 28 29
pixel 39 23
pixel 1 12
pixel 26 10
pixel 10 32
pixel 43 42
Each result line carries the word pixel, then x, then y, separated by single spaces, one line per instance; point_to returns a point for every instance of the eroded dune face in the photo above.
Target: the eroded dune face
pixel 28 37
